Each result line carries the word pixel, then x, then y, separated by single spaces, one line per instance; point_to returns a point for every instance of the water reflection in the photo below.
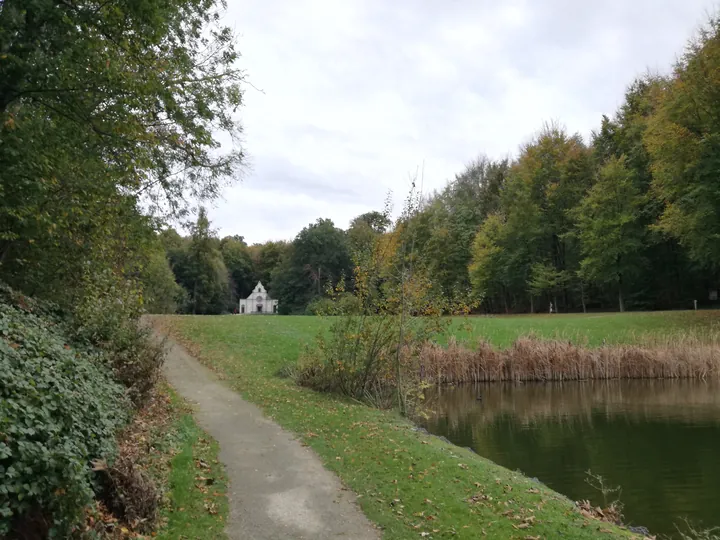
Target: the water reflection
pixel 659 440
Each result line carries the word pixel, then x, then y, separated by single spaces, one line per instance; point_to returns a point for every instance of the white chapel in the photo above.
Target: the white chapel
pixel 258 303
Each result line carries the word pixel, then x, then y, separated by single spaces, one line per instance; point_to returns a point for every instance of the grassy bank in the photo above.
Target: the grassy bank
pixel 180 459
pixel 411 484
pixel 196 505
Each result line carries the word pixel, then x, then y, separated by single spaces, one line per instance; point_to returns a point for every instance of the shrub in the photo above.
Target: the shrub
pixel 107 316
pixel 130 494
pixel 59 409
pixel 369 351
pixel 340 304
pixel 371 348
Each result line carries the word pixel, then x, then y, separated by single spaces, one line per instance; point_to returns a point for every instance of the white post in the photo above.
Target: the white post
pixel 695 303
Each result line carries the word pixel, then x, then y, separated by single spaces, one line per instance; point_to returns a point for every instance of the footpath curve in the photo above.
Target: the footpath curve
pixel 278 488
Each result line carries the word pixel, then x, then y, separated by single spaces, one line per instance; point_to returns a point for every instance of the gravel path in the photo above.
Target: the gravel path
pixel 278 488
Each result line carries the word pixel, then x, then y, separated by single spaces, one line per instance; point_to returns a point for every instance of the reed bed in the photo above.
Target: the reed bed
pixel 532 359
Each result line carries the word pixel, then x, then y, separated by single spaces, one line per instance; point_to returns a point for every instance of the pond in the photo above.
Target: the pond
pixel 658 440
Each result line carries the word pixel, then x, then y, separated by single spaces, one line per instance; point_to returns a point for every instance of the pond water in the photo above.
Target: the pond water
pixel 658 440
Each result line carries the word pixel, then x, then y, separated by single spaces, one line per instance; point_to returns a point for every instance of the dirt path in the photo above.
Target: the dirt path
pixel 278 488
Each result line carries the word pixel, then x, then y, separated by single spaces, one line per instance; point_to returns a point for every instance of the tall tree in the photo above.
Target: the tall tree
pixel 102 104
pixel 365 228
pixel 609 228
pixel 320 257
pixel 447 224
pixel 487 266
pixel 683 138
pixel 267 258
pixel 237 259
pixel 161 293
pixel 208 284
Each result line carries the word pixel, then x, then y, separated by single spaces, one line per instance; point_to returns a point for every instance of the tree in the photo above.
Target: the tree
pixel 266 259
pixel 445 226
pixel 546 279
pixel 161 293
pixel 549 178
pixel 674 280
pixel 152 106
pixel 208 284
pixel 103 105
pixel 486 267
pixel 683 139
pixel 379 222
pixel 364 229
pixel 237 259
pixel 319 258
pixel 609 228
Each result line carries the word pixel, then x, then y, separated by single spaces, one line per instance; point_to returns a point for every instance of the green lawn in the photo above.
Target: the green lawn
pixel 589 329
pixel 409 483
pixel 184 462
pixel 291 333
pixel 166 443
pixel 197 501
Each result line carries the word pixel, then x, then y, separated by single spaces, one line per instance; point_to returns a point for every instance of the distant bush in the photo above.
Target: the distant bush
pixel 59 409
pixel 340 305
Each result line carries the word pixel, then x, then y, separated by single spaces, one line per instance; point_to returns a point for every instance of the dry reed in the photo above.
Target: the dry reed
pixel 531 359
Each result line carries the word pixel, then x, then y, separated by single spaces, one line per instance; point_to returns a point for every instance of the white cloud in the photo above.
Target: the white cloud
pixel 359 93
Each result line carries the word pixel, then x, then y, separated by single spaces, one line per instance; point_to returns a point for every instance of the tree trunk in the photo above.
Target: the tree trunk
pixel 556 304
pixel 195 298
pixel 398 371
pixel 4 251
pixel 620 295
pixel 582 296
pixel 532 304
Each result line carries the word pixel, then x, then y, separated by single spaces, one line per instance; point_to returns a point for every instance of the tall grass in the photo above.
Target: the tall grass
pixel 531 359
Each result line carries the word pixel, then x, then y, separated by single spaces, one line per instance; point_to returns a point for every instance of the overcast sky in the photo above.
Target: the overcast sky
pixel 357 94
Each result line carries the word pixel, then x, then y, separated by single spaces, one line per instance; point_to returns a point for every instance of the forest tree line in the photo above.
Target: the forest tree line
pixel 111 118
pixel 627 220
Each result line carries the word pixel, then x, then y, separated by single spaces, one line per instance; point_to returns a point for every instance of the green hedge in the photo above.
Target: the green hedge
pixel 60 408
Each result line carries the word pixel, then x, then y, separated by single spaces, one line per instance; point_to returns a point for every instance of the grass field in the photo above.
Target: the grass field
pixel 410 483
pixel 196 505
pixel 590 329
pixel 292 333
